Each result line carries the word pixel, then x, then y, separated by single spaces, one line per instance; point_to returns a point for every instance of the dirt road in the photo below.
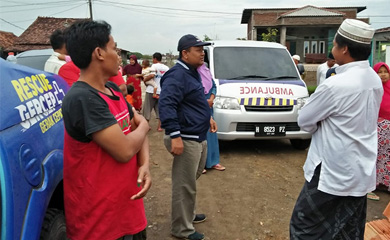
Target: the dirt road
pixel 252 199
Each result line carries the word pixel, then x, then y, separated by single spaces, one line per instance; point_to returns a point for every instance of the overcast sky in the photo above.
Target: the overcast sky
pixel 156 26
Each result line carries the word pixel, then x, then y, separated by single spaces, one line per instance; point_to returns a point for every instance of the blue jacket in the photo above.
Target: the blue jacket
pixel 183 108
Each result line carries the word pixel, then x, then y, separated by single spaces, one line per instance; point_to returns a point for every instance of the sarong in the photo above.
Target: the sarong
pixel 318 215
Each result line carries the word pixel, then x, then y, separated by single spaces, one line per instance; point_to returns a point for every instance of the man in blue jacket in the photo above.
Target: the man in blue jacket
pixel 185 116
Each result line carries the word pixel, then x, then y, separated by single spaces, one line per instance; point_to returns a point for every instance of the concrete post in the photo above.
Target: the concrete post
pixel 283 31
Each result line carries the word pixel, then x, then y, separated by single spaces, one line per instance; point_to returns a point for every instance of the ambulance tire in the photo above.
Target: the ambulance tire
pixel 300 144
pixel 53 226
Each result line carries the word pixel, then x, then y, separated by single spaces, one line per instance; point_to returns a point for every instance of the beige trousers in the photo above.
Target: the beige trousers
pixel 186 169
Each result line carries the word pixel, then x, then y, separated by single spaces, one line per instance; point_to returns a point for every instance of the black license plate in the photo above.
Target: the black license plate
pixel 269 130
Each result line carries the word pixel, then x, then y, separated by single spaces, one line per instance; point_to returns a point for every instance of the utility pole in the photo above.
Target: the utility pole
pixel 90 9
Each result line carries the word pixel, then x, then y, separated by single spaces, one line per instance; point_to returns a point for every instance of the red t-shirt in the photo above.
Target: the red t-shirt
pixel 118 79
pixel 97 188
pixel 69 72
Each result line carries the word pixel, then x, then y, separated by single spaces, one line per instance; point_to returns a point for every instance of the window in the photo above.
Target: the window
pixel 314 47
pixel 257 63
pixel 321 47
pixel 306 47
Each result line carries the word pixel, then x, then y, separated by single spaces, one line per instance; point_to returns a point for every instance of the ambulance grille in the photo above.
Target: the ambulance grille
pixel 269 108
pixel 250 127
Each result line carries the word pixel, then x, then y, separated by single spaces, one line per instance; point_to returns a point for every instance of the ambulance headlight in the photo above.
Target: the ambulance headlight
pixel 226 103
pixel 301 102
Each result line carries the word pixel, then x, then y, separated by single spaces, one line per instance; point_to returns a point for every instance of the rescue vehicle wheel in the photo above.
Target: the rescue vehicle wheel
pixel 300 144
pixel 53 226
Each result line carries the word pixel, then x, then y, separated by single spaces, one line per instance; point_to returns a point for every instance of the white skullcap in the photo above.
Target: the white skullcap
pixel 356 31
pixel 296 57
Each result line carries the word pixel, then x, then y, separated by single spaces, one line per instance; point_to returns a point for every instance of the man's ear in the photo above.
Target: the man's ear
pixel 184 53
pixel 345 49
pixel 98 53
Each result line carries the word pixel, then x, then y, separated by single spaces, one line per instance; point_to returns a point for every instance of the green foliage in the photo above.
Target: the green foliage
pixel 207 38
pixel 271 35
pixel 241 39
pixel 137 54
pixel 311 89
pixel 145 56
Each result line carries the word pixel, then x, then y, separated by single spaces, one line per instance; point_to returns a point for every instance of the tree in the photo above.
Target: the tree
pixel 137 54
pixel 271 35
pixel 206 38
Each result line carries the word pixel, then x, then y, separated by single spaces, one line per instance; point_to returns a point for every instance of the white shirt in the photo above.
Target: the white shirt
pixel 321 72
pixel 159 70
pixel 342 116
pixel 53 64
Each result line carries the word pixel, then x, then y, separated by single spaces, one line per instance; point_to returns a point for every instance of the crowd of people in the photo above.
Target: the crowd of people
pixel 106 148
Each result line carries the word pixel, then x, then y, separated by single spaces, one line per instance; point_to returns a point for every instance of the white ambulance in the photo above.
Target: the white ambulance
pixel 259 91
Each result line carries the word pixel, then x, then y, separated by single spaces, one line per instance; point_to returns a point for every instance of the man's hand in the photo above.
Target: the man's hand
pixel 177 146
pixel 210 102
pixel 138 119
pixel 213 125
pixel 145 180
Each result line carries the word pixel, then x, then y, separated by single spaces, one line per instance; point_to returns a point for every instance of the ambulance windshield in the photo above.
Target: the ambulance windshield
pixel 253 63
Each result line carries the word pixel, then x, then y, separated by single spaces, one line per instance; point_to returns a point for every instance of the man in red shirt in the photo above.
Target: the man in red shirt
pixel 106 150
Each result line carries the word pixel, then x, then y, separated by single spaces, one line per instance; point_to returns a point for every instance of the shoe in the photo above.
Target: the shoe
pixel 195 236
pixel 204 171
pixel 199 218
pixel 219 167
pixel 372 196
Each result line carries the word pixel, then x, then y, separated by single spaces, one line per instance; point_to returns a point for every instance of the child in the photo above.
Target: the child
pixel 146 70
pixel 129 96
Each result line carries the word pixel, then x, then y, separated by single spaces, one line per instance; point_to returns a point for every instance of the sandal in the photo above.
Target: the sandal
pixel 373 196
pixel 218 167
pixel 204 171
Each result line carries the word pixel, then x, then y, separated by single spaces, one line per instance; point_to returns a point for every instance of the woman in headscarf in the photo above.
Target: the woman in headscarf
pixel 130 71
pixel 210 91
pixel 383 160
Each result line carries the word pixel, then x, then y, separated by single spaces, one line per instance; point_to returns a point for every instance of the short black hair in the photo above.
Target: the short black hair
pixel 83 37
pixel 157 56
pixel 130 89
pixel 57 39
pixel 358 51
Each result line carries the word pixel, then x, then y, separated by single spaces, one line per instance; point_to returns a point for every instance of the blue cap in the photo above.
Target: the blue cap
pixel 190 40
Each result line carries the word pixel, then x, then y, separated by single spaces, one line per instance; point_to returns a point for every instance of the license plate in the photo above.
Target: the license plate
pixel 270 130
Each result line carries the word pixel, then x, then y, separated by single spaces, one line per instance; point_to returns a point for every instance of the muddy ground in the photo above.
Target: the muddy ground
pixel 252 199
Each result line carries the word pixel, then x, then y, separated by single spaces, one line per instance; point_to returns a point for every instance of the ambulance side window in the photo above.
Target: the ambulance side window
pixel 206 57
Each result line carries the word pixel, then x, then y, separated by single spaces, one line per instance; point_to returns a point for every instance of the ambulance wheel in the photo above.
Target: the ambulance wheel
pixel 300 144
pixel 53 226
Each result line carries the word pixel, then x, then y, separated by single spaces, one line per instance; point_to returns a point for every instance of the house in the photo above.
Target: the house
pixel 37 35
pixel 7 39
pixel 381 46
pixel 307 31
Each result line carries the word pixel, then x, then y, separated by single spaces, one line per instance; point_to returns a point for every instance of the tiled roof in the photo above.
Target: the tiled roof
pixel 246 14
pixel 37 35
pixel 7 39
pixel 310 11
pixel 381 30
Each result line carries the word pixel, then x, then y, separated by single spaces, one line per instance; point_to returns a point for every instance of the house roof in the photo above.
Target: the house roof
pixel 382 30
pixel 311 11
pixel 37 35
pixel 7 39
pixel 246 14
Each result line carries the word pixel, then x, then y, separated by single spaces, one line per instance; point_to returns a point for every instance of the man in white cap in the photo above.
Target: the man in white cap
pixel 341 163
pixel 185 116
pixel 300 67
pixel 323 68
